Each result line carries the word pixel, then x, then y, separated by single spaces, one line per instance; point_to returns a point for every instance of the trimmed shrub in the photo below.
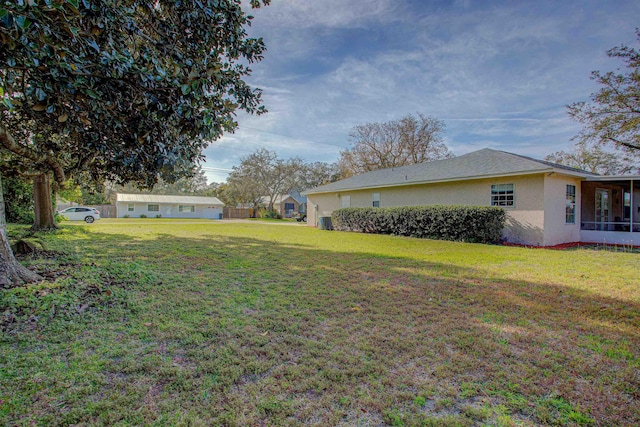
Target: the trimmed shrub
pixel 270 214
pixel 477 224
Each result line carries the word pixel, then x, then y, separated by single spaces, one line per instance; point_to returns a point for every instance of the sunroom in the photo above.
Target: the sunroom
pixel 610 210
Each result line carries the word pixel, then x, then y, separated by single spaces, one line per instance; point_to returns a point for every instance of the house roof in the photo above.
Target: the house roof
pixel 485 163
pixel 278 199
pixel 161 198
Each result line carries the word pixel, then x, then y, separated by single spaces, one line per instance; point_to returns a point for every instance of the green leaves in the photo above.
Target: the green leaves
pixel 23 22
pixel 129 90
pixel 478 224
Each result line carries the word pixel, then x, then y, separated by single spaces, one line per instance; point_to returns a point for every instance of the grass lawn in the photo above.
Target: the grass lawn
pixel 196 323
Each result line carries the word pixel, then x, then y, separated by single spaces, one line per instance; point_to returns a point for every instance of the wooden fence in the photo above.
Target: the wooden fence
pixel 107 211
pixel 237 213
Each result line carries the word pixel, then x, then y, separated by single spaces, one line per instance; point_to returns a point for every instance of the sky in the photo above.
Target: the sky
pixel 498 73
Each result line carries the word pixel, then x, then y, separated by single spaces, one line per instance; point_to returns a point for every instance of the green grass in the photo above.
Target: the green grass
pixel 173 322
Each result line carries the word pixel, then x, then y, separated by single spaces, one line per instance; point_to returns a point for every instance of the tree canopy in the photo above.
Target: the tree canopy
pixel 263 174
pixel 613 114
pixel 395 143
pixel 124 91
pixel 127 89
pixel 593 158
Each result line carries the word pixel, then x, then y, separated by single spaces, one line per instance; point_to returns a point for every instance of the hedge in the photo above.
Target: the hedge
pixel 477 224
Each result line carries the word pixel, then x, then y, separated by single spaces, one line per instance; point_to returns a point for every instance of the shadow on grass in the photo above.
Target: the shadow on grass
pixel 243 331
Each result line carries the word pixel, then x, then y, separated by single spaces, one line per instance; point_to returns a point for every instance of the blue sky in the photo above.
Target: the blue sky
pixel 499 73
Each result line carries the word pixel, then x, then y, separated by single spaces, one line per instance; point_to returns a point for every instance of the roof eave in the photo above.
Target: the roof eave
pixel 439 181
pixel 614 178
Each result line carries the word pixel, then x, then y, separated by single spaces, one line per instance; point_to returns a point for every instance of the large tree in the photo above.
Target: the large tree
pixel 263 174
pixel 613 114
pixel 395 143
pixel 120 90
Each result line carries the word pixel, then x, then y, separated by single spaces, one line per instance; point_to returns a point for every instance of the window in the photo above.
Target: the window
pixel 627 204
pixel 153 208
pixel 376 200
pixel 130 207
pixel 345 201
pixel 502 195
pixel 570 211
pixel 186 208
pixel 289 207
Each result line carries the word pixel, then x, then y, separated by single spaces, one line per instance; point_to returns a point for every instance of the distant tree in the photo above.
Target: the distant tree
pixel 593 158
pixel 613 115
pixel 240 189
pixel 263 174
pixel 317 173
pixel 193 184
pixel 396 143
pixel 71 192
pixel 124 91
pixel 211 190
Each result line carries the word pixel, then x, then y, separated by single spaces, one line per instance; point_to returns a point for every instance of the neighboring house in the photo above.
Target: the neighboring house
pixel 152 205
pixel 547 204
pixel 284 204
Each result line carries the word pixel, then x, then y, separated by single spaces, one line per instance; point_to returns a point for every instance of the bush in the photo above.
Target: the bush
pixel 159 216
pixel 143 216
pixel 478 224
pixel 126 216
pixel 270 214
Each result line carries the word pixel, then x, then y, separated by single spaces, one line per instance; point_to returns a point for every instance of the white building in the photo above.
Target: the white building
pixel 168 206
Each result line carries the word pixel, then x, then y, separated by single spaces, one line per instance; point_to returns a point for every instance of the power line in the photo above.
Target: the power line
pixel 291 137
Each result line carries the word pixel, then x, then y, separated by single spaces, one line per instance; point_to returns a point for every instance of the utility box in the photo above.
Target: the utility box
pixel 324 223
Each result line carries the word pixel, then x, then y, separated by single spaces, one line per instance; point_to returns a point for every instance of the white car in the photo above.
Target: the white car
pixel 80 213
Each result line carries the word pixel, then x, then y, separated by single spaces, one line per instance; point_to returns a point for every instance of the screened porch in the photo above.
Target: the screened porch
pixel 610 210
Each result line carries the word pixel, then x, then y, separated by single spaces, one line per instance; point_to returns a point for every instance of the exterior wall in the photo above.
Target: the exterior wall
pixel 321 205
pixel 525 220
pixel 168 210
pixel 556 230
pixel 279 207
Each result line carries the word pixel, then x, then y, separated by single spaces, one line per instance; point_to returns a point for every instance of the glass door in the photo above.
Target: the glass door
pixel 603 208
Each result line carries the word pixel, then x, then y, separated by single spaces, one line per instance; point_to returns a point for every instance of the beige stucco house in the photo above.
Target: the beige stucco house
pixel 285 204
pixel 547 204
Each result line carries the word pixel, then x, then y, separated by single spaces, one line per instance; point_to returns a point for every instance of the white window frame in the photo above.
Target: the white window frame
pixel 570 209
pixel 130 207
pixel 153 208
pixel 375 200
pixel 187 208
pixel 502 196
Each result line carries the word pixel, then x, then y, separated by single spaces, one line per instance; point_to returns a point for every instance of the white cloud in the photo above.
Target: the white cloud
pixel 499 75
pixel 328 13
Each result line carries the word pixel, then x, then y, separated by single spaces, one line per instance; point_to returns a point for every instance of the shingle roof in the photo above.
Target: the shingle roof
pixel 158 198
pixel 278 199
pixel 478 164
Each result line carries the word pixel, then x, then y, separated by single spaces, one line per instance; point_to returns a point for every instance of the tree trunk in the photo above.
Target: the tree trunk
pixel 12 273
pixel 42 206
